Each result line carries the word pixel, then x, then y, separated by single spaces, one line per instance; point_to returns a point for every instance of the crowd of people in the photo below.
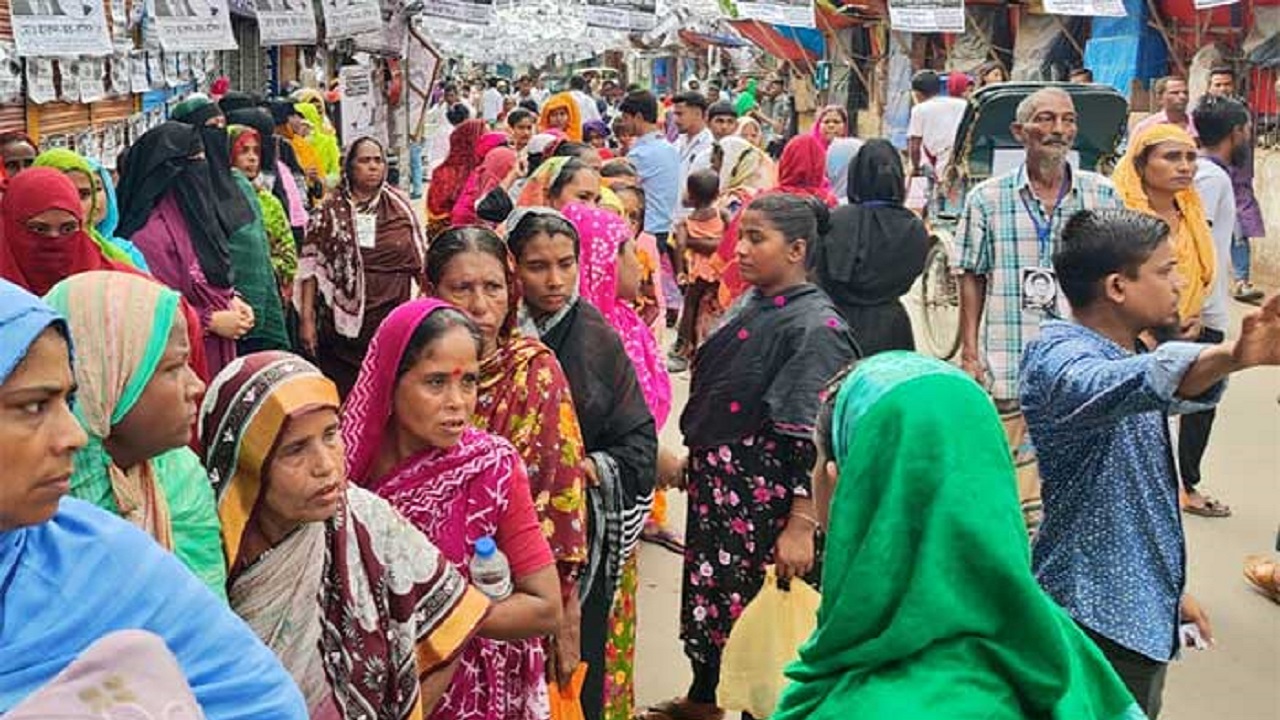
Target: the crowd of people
pixel 266 413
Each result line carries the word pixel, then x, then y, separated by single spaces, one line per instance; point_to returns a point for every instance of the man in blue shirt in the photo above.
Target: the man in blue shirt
pixel 657 162
pixel 1111 548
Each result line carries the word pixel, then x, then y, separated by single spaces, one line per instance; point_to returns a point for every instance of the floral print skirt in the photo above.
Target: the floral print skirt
pixel 620 653
pixel 739 501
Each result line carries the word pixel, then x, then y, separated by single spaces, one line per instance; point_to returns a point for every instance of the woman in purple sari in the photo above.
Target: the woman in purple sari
pixel 168 212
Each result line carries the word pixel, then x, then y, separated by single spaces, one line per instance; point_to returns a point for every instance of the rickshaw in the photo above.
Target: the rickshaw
pixel 985 147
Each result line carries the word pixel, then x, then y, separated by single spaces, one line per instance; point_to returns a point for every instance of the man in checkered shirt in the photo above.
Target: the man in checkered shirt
pixel 1006 238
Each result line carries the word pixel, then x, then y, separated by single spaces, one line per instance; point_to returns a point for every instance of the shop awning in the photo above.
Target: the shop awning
pixel 705 40
pixel 793 44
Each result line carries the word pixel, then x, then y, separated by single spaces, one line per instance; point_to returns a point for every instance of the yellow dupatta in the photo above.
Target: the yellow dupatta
pixel 1193 242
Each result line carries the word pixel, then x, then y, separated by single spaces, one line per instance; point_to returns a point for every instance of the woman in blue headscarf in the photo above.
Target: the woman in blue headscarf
pixel 71 574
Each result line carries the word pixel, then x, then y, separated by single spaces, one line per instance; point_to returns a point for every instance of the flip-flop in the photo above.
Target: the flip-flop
pixel 664 538
pixel 1211 509
pixel 681 709
pixel 1260 571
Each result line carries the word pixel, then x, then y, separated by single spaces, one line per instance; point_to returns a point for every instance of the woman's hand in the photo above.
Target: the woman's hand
pixel 567 643
pixel 794 552
pixel 1191 612
pixel 229 324
pixel 245 311
pixel 593 474
pixel 671 469
pixel 307 334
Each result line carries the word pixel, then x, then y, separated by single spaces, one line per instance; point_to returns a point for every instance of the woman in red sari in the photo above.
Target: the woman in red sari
pixel 448 180
pixel 802 170
pixel 409 438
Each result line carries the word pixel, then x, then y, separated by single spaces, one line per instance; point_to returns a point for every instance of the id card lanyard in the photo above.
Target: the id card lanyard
pixel 1043 225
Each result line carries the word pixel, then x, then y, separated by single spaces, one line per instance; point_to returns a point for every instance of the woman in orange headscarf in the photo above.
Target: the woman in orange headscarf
pixel 1157 176
pixel 561 112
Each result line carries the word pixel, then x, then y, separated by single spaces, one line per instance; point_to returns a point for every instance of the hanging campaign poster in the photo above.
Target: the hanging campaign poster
pixel 10 74
pixel 625 15
pixel 476 12
pixel 423 62
pixel 40 86
pixel 1206 4
pixel 927 15
pixel 797 13
pixel 187 25
pixel 286 22
pixel 1088 8
pixel 349 18
pixel 363 113
pixel 60 27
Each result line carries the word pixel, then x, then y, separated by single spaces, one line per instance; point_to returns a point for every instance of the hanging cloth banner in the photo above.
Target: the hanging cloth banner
pixel 1088 8
pixel 625 15
pixel 286 22
pixel 349 18
pixel 1206 4
pixel 475 12
pixel 927 15
pixel 796 13
pixel 60 28
pixel 188 25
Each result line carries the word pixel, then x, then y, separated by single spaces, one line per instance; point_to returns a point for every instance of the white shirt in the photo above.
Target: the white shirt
pixel 1219 200
pixel 491 104
pixel 935 122
pixel 586 106
pixel 695 154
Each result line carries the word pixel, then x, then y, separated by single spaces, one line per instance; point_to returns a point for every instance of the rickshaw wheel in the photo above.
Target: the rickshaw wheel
pixel 940 303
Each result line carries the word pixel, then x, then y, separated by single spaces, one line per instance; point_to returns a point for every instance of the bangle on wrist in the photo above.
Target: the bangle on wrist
pixel 813 521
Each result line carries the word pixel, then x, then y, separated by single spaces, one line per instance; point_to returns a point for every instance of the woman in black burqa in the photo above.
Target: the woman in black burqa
pixel 874 251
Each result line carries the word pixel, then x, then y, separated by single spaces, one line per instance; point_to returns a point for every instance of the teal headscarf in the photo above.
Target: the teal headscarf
pixel 113 248
pixel 121 323
pixel 929 607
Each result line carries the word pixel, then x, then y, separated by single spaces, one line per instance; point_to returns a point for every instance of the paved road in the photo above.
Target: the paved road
pixel 1239 679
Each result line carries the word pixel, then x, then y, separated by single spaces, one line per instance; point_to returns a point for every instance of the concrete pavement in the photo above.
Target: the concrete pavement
pixel 1238 679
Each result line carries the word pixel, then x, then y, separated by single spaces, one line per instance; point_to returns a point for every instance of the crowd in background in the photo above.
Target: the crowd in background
pixel 294 405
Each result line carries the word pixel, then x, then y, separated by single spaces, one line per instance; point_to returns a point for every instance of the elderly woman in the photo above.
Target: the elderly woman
pixel 137 401
pixel 914 484
pixel 53 611
pixel 308 552
pixel 362 258
pixel 409 438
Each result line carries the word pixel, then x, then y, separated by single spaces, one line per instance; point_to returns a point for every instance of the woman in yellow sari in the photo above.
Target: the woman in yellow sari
pixel 1157 176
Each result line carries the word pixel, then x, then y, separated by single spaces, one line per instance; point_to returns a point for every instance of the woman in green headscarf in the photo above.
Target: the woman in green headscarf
pixel 136 399
pixel 95 197
pixel 929 608
pixel 325 142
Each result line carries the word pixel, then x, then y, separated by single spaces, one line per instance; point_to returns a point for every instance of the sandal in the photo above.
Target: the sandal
pixel 1211 508
pixel 662 537
pixel 681 709
pixel 1260 571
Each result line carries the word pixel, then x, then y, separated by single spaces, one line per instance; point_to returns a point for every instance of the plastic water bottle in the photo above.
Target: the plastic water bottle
pixel 490 572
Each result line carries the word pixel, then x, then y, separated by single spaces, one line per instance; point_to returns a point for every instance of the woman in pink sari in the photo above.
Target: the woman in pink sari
pixel 409 439
pixel 496 162
pixel 609 263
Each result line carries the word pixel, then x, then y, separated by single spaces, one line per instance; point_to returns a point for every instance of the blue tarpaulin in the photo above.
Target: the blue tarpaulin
pixel 1123 49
